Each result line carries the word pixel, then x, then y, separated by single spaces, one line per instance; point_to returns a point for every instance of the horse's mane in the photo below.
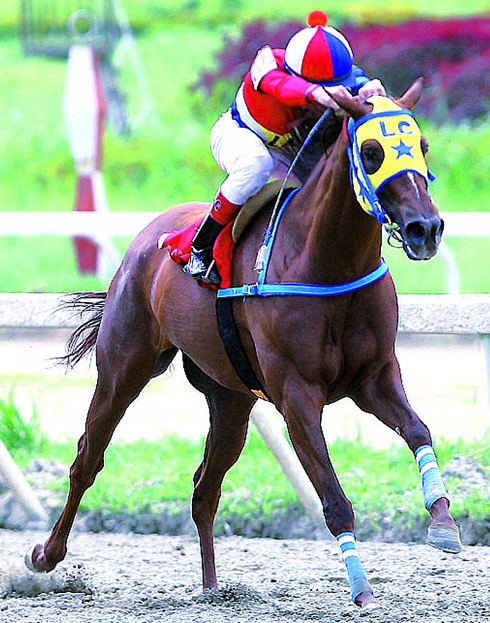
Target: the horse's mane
pixel 319 144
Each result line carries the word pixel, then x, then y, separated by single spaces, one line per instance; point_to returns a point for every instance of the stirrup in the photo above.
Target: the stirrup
pixel 202 267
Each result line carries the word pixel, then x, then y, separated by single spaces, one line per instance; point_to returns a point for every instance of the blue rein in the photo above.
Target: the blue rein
pixel 298 289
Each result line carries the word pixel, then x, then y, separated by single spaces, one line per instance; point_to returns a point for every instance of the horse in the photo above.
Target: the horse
pixel 306 351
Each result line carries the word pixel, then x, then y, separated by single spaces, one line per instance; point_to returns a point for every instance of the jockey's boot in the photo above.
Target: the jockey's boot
pixel 201 265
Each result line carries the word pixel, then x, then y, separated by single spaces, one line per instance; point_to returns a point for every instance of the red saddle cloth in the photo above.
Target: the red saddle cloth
pixel 179 242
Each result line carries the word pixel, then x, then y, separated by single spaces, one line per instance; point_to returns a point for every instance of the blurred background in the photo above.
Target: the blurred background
pixel 168 69
pixel 178 69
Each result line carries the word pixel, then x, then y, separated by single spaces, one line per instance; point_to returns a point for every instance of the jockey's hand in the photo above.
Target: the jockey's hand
pixel 321 95
pixel 373 87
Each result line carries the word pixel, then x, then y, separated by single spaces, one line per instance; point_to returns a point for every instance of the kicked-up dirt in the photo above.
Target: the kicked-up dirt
pixel 110 578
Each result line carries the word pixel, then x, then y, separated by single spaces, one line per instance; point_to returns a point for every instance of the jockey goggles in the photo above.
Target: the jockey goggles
pixel 396 130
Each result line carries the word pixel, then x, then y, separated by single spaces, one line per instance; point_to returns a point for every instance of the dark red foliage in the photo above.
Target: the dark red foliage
pixel 453 56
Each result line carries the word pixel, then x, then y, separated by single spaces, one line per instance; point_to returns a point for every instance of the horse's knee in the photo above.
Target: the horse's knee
pixel 203 510
pixel 197 474
pixel 339 516
pixel 79 473
pixel 415 433
pixel 204 504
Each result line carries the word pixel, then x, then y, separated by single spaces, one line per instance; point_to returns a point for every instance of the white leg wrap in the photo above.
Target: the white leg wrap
pixel 432 486
pixel 357 578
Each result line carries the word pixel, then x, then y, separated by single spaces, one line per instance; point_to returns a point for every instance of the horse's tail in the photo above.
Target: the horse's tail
pixel 83 339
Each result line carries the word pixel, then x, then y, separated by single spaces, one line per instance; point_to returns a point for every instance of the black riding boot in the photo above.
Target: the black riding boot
pixel 201 265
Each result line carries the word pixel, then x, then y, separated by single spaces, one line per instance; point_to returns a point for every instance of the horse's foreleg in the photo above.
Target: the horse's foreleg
pixel 385 397
pixel 119 382
pixel 302 411
pixel 229 413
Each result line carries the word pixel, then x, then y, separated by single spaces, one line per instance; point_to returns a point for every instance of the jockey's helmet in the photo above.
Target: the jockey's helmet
pixel 319 53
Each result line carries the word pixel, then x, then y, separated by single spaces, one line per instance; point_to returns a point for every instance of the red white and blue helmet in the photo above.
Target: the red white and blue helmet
pixel 319 53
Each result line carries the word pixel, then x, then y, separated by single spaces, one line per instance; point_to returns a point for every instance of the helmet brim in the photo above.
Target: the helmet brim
pixel 349 81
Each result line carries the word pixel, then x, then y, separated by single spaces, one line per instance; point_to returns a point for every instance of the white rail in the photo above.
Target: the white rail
pixel 130 223
pixel 419 313
pixel 102 227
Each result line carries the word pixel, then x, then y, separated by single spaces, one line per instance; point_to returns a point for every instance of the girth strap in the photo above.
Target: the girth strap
pixel 234 347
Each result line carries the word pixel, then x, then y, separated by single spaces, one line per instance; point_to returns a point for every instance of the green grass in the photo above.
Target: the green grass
pixel 18 434
pixel 150 14
pixel 460 158
pixel 471 254
pixel 145 474
pixel 386 482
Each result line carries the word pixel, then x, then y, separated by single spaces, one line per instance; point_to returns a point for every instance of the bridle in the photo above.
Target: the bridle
pixel 388 123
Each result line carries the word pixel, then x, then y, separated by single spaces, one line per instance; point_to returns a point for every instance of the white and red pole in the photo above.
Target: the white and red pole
pixel 84 109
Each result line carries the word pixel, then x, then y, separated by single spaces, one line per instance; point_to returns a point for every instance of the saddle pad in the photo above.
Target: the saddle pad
pixel 255 204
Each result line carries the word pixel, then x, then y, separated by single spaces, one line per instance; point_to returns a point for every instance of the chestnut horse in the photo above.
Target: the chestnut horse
pixel 307 351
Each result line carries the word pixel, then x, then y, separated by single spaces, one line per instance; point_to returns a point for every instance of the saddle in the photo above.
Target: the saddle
pixel 256 203
pixel 179 242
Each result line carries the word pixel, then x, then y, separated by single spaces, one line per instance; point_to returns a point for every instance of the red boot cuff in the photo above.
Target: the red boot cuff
pixel 223 211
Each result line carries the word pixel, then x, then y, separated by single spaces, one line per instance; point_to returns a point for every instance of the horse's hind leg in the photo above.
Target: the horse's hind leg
pixel 229 413
pixel 385 397
pixel 123 372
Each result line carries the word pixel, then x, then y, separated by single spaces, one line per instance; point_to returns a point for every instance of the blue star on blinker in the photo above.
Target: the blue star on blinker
pixel 403 150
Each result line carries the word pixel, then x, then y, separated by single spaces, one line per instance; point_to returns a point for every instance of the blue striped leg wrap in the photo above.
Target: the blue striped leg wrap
pixel 432 485
pixel 357 578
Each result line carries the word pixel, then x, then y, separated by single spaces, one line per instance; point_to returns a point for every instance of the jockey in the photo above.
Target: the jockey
pixel 278 84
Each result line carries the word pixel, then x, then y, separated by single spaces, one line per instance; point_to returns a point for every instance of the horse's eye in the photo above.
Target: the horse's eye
pixel 372 156
pixel 424 145
pixel 369 153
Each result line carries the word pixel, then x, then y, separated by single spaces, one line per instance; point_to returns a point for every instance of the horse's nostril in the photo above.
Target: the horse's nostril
pixel 415 231
pixel 436 230
pixel 433 232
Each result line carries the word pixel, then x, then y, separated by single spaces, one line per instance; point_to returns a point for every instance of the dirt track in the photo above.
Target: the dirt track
pixel 113 578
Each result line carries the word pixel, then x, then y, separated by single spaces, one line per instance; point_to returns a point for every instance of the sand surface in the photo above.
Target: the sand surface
pixel 112 578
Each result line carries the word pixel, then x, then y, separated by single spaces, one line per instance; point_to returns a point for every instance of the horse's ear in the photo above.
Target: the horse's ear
pixel 352 105
pixel 412 96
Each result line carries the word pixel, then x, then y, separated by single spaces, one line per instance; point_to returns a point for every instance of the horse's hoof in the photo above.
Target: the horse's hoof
pixel 32 560
pixel 28 560
pixel 446 539
pixel 367 602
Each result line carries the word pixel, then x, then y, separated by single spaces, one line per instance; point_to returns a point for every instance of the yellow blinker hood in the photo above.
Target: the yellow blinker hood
pixel 396 130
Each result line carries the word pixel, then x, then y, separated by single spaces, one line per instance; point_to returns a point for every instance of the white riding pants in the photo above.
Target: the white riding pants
pixel 243 156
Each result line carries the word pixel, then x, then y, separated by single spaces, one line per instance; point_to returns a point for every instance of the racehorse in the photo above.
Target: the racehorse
pixel 307 351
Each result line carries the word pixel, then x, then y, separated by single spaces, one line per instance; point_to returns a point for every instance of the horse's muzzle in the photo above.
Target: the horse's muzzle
pixel 422 237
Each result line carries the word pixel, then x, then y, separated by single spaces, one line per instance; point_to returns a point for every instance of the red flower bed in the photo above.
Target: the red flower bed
pixel 452 55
